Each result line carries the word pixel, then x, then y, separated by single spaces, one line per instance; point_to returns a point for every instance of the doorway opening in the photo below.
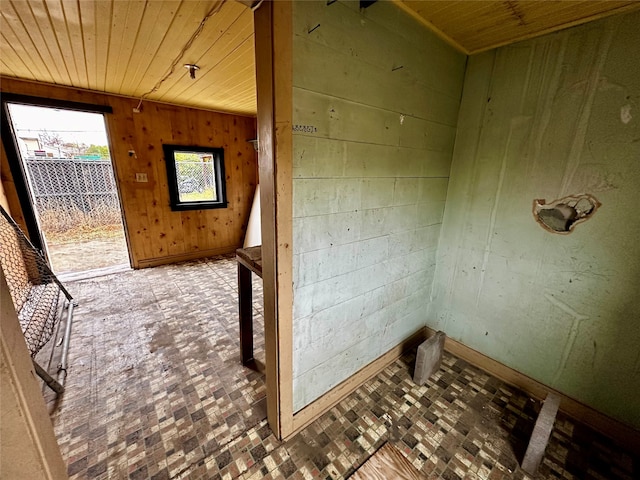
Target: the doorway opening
pixel 71 186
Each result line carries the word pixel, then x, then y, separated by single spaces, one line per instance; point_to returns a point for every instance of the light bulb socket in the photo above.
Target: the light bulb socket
pixel 192 67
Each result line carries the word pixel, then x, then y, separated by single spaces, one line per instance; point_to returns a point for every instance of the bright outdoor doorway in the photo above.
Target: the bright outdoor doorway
pixel 71 183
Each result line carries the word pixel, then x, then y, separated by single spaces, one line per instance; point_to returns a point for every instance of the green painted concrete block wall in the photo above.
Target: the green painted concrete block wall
pixel 376 99
pixel 547 118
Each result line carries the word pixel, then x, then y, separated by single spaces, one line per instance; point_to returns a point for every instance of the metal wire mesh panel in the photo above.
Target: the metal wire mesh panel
pixel 34 289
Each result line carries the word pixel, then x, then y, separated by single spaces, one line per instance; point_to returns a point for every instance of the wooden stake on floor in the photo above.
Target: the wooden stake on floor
pixel 541 433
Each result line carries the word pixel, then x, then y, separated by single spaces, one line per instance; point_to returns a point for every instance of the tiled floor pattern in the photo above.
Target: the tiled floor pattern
pixel 463 424
pixel 155 382
pixel 156 392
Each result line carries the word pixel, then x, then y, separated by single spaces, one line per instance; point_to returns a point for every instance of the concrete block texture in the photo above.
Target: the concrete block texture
pixel 428 358
pixel 369 183
pixel 541 433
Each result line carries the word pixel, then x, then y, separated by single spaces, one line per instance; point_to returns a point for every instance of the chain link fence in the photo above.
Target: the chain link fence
pixel 196 181
pixel 70 193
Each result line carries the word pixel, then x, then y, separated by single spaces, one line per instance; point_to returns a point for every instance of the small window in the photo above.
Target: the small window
pixel 196 177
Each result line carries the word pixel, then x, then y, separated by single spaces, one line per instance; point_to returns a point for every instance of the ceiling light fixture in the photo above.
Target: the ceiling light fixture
pixel 192 67
pixel 214 9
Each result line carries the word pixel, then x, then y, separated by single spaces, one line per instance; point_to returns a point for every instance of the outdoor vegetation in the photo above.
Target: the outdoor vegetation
pixel 207 194
pixel 72 186
pixel 72 225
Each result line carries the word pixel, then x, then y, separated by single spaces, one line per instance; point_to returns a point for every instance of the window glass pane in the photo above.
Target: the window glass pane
pixel 196 176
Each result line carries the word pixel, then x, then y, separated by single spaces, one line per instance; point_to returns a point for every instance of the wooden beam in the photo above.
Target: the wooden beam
pixel 273 36
pixel 283 78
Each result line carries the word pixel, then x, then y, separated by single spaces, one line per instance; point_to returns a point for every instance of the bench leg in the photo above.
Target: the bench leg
pixel 246 314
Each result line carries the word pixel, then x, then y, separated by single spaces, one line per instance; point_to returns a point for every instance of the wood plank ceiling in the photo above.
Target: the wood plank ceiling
pixel 138 48
pixel 128 47
pixel 479 25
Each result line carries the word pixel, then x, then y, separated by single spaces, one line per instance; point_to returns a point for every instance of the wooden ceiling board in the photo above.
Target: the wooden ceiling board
pixel 218 83
pixel 71 14
pixel 186 21
pixel 11 51
pixel 66 15
pixel 29 49
pixel 145 50
pixel 166 35
pixel 220 86
pixel 87 17
pixel 535 16
pixel 4 65
pixel 442 11
pixel 222 37
pixel 481 25
pixel 12 61
pixel 223 53
pixel 128 47
pixel 100 53
pixel 39 24
pixel 126 33
pixel 485 38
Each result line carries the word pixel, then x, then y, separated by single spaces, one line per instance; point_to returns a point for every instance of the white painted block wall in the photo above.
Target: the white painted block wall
pixel 376 97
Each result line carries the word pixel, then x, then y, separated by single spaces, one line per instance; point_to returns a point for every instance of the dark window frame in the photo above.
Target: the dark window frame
pixel 219 178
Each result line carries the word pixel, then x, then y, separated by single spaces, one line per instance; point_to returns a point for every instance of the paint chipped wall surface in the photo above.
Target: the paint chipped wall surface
pixel 545 119
pixel 376 98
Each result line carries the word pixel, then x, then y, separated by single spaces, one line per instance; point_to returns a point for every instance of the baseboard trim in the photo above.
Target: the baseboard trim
pixel 183 257
pixel 610 427
pixel 327 401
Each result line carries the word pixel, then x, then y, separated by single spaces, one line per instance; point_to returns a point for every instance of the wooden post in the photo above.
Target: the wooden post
pixel 273 43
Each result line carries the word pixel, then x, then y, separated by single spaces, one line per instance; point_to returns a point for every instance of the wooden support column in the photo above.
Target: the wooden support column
pixel 273 37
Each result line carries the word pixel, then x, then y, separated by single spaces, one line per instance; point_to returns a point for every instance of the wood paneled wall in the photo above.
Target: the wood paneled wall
pixel 156 234
pixel 370 167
